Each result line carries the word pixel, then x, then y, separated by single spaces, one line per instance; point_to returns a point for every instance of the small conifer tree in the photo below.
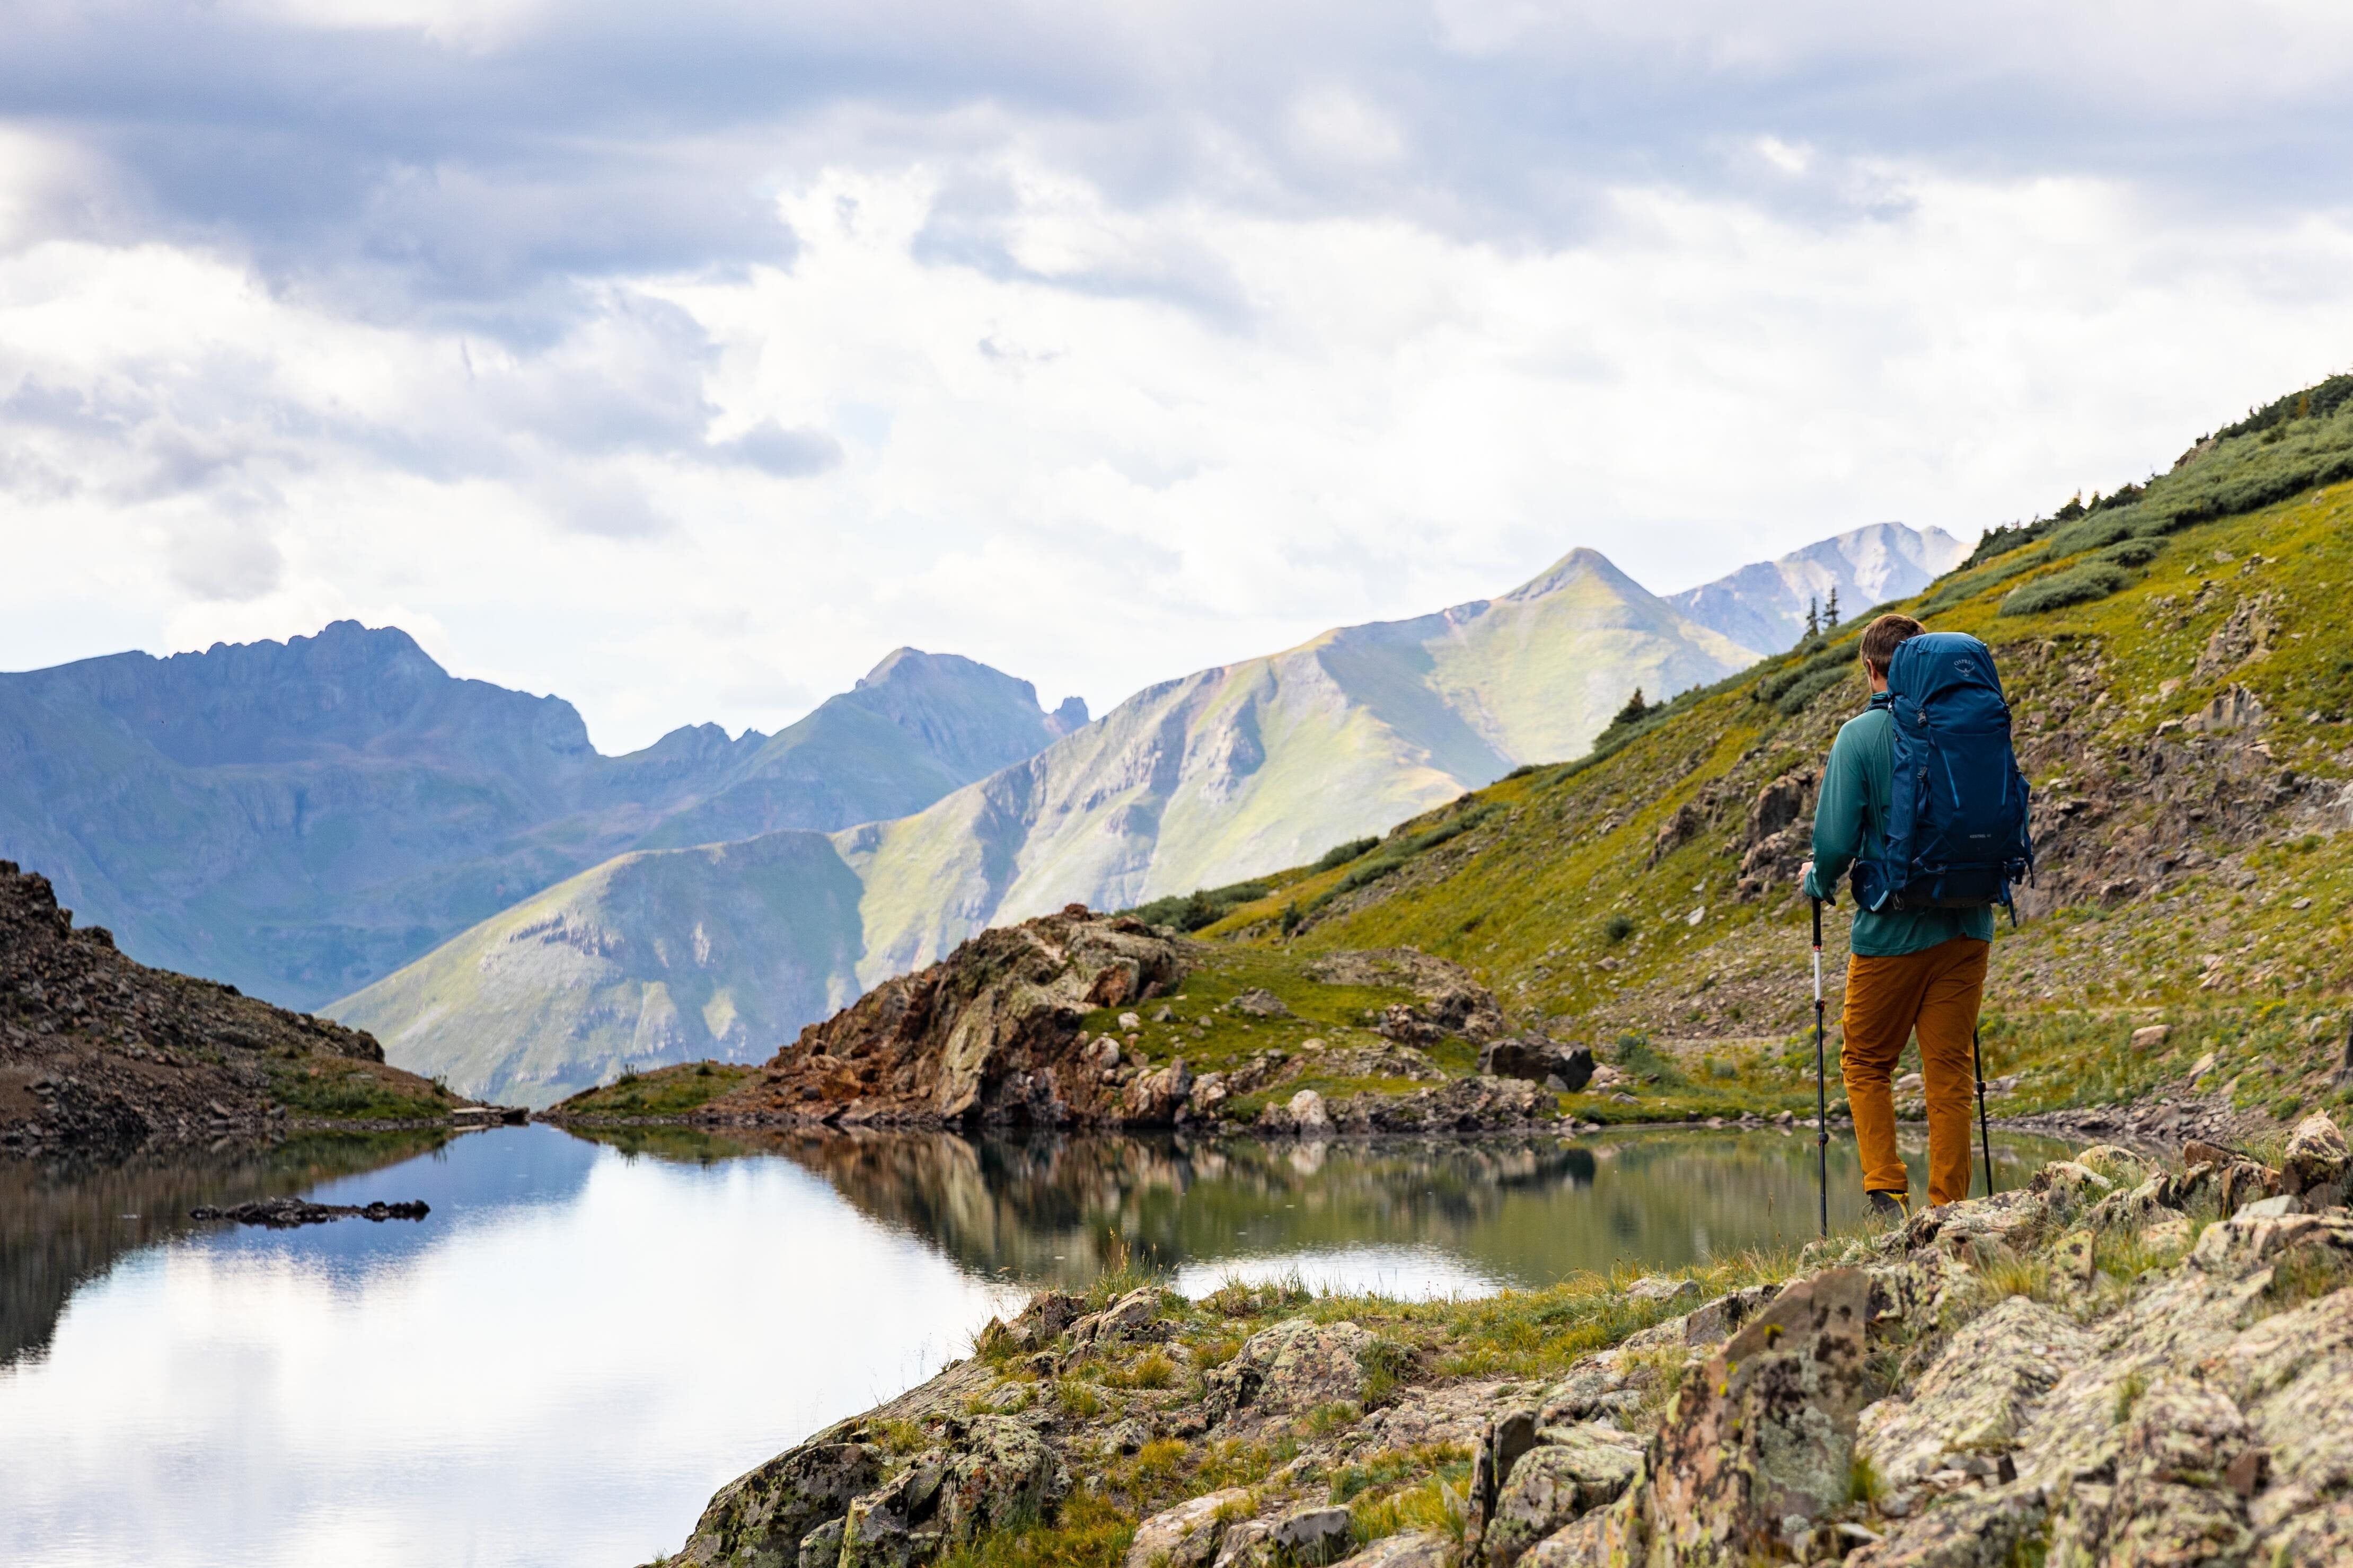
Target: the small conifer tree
pixel 1830 611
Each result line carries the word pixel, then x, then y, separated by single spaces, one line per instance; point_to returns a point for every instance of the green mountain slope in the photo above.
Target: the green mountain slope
pixel 654 956
pixel 2182 676
pixel 1255 764
pixel 301 818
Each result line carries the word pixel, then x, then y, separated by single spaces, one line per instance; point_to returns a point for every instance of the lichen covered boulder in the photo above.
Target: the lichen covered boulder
pixel 1764 1435
pixel 759 1520
pixel 1188 1535
pixel 1289 1370
pixel 1565 1476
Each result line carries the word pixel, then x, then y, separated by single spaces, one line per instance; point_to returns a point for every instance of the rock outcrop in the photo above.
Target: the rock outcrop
pixel 996 1034
pixel 2116 1364
pixel 2041 1410
pixel 99 1052
pixel 989 1036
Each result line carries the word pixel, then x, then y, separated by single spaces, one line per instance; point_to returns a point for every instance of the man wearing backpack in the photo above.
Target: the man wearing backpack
pixel 1929 865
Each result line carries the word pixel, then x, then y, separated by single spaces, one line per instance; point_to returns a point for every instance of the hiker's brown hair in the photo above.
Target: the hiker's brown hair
pixel 1880 638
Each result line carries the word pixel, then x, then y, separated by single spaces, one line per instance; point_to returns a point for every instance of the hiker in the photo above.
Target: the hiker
pixel 1919 941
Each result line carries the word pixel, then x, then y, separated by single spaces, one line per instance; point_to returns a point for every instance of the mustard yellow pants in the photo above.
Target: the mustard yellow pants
pixel 1935 992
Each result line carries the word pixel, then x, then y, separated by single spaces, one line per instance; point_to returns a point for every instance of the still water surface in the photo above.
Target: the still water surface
pixel 587 1338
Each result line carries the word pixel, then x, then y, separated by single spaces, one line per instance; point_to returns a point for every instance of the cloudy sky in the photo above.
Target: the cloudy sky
pixel 684 359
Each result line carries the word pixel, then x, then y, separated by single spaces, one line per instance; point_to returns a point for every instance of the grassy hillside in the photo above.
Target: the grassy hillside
pixel 2182 675
pixel 660 956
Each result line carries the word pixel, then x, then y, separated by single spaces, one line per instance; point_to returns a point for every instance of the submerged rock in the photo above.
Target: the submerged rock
pixel 284 1213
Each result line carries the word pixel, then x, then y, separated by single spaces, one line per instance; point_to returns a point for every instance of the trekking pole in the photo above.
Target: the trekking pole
pixel 1985 1129
pixel 1822 1092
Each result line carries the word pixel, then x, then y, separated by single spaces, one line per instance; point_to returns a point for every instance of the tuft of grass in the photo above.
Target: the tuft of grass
pixel 1435 1504
pixel 1334 1416
pixel 901 1436
pixel 1387 1363
pixel 2306 1274
pixel 1087 1531
pixel 1076 1399
pixel 2002 1274
pixel 1863 1482
pixel 2129 1388
pixel 1153 1368
pixel 1160 1460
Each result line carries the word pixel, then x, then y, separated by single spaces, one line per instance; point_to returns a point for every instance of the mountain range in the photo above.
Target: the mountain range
pixel 724 950
pixel 300 818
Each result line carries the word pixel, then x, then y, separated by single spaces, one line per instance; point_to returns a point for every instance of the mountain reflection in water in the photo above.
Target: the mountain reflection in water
pixel 64 1222
pixel 1432 1214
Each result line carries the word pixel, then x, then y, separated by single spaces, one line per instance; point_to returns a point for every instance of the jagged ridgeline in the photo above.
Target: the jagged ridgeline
pixel 2182 671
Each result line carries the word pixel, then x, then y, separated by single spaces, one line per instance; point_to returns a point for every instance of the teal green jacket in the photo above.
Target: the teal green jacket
pixel 1849 819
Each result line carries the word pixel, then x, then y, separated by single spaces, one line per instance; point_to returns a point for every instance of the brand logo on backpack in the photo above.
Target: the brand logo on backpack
pixel 1958 835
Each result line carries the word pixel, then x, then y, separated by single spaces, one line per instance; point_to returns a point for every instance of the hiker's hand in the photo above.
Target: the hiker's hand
pixel 1805 875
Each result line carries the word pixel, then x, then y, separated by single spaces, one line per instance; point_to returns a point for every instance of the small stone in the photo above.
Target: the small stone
pixel 1129 1022
pixel 2301 904
pixel 1186 1536
pixel 2316 1156
pixel 1314 1536
pixel 2073 1256
pixel 1260 1003
pixel 2149 1039
pixel 1421 1550
pixel 1659 1287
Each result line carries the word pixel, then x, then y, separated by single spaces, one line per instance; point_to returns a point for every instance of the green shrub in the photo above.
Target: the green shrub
pixel 2133 551
pixel 1618 927
pixel 1795 701
pixel 1341 854
pixel 1201 907
pixel 2076 585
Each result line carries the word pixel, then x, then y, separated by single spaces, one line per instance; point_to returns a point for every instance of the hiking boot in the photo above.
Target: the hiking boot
pixel 1886 1206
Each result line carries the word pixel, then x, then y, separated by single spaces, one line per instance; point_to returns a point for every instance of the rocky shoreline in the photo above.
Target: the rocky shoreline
pixel 2119 1362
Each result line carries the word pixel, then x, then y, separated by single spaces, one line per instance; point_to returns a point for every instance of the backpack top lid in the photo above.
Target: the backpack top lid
pixel 1948 677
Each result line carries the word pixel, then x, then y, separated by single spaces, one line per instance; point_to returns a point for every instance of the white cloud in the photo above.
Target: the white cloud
pixel 1099 345
pixel 1098 487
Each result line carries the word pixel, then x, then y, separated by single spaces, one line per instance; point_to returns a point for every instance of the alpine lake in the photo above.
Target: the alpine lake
pixel 587 1336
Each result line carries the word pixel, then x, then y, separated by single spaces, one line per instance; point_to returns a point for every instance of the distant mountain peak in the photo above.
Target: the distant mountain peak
pixel 1762 606
pixel 891 664
pixel 1577 565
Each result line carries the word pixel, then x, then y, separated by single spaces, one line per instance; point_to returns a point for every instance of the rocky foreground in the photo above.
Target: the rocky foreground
pixel 98 1052
pixel 2118 1363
